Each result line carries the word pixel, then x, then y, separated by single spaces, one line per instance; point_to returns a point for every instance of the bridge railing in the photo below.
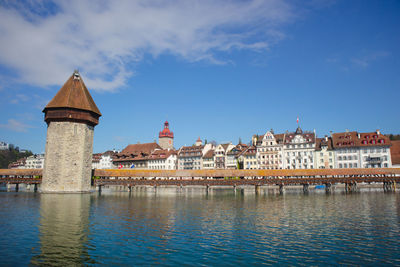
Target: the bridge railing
pixel 223 173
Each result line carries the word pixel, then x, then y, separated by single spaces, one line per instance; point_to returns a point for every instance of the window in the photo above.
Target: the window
pixel 345 165
pixel 350 165
pixel 355 165
pixel 340 165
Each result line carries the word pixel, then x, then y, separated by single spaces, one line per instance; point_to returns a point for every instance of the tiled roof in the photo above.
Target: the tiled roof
pixel 209 154
pixel 146 148
pixel 161 154
pixel 190 151
pixel 354 139
pixel 320 142
pixel 74 94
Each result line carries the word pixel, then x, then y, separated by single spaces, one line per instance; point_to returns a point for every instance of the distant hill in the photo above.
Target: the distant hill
pixel 11 155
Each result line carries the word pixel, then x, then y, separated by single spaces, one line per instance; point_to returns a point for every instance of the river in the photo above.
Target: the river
pixel 192 227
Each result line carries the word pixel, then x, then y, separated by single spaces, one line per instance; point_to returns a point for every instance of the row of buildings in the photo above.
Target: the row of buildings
pixel 290 150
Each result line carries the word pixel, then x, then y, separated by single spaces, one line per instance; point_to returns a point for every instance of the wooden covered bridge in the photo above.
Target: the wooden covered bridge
pixel 388 177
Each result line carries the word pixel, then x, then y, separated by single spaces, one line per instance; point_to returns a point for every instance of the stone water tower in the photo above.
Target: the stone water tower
pixel 71 117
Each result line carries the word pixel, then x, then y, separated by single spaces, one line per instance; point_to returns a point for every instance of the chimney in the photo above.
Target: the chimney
pixel 358 135
pixel 378 132
pixel 326 138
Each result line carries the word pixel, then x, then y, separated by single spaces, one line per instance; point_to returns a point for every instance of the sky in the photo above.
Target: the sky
pixel 215 69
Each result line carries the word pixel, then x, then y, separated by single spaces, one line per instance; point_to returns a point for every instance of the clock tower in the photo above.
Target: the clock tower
pixel 166 137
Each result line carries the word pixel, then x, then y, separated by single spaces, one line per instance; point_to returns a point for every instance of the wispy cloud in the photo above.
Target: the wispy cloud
pixel 15 126
pixel 43 42
pixel 366 60
pixel 18 98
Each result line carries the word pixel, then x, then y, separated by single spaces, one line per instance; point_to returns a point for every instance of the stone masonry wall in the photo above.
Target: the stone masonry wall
pixel 68 158
pixel 166 142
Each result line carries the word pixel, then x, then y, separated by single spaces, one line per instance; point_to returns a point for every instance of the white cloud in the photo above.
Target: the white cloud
pixel 15 126
pixel 45 41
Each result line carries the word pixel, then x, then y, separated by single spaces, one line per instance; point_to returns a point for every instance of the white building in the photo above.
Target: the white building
pixel 220 155
pixel 324 153
pixel 4 146
pixel 361 150
pixel 165 159
pixel 208 160
pixel 35 162
pixel 299 150
pixel 104 160
pixel 269 150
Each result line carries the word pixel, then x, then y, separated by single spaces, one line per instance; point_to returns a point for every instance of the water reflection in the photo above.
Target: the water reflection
pixel 63 230
pixel 192 227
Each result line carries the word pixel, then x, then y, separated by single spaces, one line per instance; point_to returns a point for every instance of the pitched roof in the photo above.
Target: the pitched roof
pixel 354 139
pixel 146 148
pixel 209 154
pixel 74 94
pixel 161 154
pixel 319 142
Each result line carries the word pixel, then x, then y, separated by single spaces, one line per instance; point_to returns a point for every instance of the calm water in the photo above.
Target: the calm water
pixel 192 228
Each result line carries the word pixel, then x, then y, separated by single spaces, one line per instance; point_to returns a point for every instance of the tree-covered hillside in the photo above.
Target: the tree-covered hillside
pixel 11 155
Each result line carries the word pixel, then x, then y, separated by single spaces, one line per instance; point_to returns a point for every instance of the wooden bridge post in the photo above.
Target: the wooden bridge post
pixel 129 188
pixel 257 189
pixel 305 188
pixel 35 187
pixel 234 187
pixel 99 187
pixel 328 188
pixel 207 188
pixel 281 189
pixel 16 187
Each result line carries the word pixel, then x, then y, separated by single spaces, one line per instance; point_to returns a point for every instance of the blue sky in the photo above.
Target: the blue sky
pixel 219 69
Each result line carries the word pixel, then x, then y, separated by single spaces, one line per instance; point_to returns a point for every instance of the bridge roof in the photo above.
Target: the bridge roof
pixel 74 94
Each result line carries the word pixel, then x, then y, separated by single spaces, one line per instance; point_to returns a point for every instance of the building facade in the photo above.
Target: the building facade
pixel 248 158
pixel 164 159
pixel 35 162
pixel 324 154
pixel 299 148
pixel 135 156
pixel 220 155
pixel 270 151
pixel 4 146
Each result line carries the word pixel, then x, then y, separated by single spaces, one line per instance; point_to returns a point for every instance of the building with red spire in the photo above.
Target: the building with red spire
pixel 166 137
